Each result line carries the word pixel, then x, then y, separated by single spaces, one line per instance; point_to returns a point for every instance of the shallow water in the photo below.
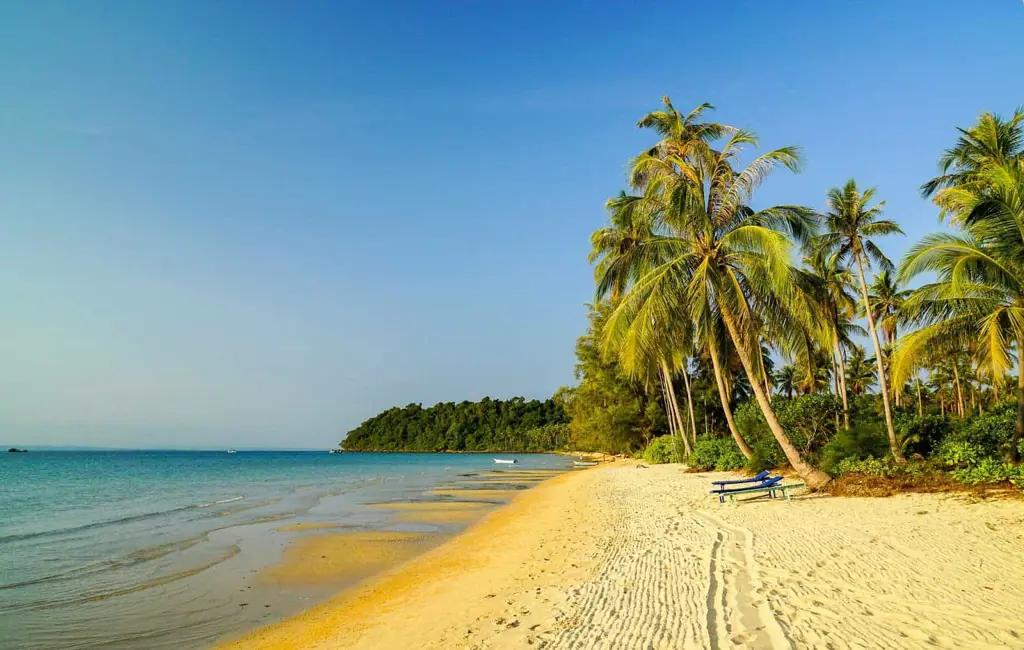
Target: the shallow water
pixel 158 549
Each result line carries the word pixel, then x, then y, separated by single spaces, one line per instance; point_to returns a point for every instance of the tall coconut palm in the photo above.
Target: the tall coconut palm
pixel 660 173
pixel 991 142
pixel 979 294
pixel 620 259
pixel 886 298
pixel 835 306
pixel 786 380
pixel 729 265
pixel 643 338
pixel 860 376
pixel 851 222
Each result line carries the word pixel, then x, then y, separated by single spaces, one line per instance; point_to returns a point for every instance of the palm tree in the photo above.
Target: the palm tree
pixel 656 172
pixel 886 298
pixel 978 296
pixel 835 305
pixel 991 142
pixel 785 380
pixel 728 265
pixel 851 222
pixel 860 376
pixel 620 259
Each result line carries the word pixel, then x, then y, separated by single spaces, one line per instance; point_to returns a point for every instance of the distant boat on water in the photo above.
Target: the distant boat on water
pixel 503 461
pixel 15 450
pixel 336 450
pixel 231 451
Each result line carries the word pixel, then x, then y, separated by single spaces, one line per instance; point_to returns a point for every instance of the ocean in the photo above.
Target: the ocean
pixel 157 549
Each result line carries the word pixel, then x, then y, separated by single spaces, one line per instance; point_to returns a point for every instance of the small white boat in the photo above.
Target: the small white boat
pixel 336 450
pixel 504 461
pixel 231 451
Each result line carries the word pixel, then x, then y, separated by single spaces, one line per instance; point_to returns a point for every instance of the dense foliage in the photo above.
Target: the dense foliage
pixel 608 411
pixel 697 289
pixel 487 425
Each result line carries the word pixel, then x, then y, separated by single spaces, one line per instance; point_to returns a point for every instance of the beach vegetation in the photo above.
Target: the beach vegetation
pixel 758 314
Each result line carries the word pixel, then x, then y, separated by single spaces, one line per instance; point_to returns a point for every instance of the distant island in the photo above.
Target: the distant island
pixel 488 425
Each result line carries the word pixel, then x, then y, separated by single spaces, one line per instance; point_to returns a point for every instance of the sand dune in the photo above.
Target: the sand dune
pixel 621 557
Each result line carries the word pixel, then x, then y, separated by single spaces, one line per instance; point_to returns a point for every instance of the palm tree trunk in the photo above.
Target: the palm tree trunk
pixel 835 382
pixel 812 476
pixel 675 407
pixel 668 409
pixel 724 395
pixel 920 404
pixel 894 446
pixel 1013 453
pixel 842 380
pixel 689 404
pixel 960 406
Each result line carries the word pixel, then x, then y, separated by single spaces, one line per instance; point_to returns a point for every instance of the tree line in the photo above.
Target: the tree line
pixel 488 425
pixel 697 291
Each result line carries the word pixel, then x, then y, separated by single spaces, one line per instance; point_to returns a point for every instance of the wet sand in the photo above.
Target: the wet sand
pixel 624 557
pixel 332 558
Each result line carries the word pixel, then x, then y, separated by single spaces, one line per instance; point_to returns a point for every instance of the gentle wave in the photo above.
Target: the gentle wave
pixel 104 595
pixel 111 522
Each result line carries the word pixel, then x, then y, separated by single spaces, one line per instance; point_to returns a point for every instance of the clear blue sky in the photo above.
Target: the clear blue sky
pixel 259 223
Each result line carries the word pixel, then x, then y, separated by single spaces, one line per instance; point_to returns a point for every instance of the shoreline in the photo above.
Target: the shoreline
pixel 623 557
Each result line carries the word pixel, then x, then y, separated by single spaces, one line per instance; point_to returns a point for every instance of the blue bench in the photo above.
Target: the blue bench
pixel 754 479
pixel 764 484
pixel 771 490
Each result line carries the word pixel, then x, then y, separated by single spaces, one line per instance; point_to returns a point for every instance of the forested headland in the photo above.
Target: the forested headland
pixel 488 425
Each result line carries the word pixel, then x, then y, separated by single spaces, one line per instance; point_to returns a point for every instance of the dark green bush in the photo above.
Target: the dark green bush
pixel 922 435
pixel 808 420
pixel 859 442
pixel 990 433
pixel 664 449
pixel 720 454
pixel 990 470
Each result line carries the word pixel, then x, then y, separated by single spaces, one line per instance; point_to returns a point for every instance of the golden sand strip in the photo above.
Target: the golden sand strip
pixel 623 557
pixel 429 505
pixel 343 557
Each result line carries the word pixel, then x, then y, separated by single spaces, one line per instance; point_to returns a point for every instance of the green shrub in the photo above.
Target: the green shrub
pixel 870 466
pixel 664 449
pixel 767 455
pixel 922 435
pixel 859 442
pixel 989 470
pixel 990 432
pixel 730 457
pixel 719 454
pixel 959 453
pixel 809 421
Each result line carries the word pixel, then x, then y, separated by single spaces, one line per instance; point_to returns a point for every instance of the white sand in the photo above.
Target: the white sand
pixel 622 557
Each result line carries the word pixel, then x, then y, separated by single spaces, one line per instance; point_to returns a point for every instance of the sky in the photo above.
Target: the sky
pixel 257 224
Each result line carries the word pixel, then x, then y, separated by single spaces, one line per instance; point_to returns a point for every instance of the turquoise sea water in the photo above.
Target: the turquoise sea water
pixel 157 549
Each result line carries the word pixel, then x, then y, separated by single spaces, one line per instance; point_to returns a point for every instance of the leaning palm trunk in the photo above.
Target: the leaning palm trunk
pixel 960 406
pixel 672 432
pixel 842 381
pixel 1013 453
pixel 920 405
pixel 894 446
pixel 674 407
pixel 748 453
pixel 813 477
pixel 689 405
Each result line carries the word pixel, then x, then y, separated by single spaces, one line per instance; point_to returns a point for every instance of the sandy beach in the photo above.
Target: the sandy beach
pixel 628 557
